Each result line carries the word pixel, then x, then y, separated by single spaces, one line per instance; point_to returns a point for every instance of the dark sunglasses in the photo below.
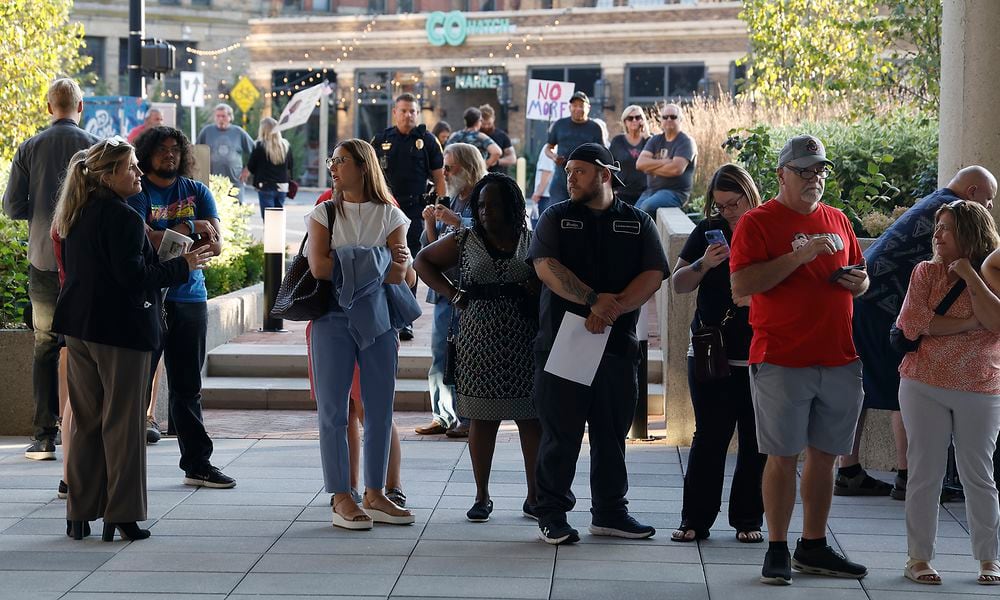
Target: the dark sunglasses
pixel 670 117
pixel 634 118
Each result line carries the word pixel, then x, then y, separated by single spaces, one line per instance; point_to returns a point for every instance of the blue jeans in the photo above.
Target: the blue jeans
pixel 43 291
pixel 442 396
pixel 334 353
pixel 651 200
pixel 270 199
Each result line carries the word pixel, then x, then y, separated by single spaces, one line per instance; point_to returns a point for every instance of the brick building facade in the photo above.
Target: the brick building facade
pixel 617 51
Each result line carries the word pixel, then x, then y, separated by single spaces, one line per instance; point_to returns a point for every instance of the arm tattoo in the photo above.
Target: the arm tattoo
pixel 696 266
pixel 570 283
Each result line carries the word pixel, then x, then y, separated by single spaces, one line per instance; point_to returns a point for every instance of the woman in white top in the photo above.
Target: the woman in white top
pixel 364 216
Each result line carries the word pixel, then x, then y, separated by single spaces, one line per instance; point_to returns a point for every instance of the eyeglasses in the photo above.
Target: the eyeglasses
pixel 634 118
pixel 808 174
pixel 451 168
pixel 956 204
pixel 718 209
pixel 176 150
pixel 669 117
pixel 336 160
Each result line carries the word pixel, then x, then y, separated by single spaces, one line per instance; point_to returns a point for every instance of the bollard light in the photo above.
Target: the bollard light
pixel 521 172
pixel 274 264
pixel 640 425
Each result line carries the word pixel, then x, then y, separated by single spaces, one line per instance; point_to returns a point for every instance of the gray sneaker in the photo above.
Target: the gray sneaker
pixel 41 450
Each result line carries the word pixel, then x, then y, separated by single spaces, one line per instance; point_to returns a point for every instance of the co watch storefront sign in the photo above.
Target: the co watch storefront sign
pixel 452 27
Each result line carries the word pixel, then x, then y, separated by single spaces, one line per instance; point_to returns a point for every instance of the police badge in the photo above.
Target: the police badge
pixel 419 144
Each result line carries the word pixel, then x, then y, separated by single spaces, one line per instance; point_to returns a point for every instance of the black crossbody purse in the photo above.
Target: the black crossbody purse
pixel 302 297
pixel 902 344
pixel 710 360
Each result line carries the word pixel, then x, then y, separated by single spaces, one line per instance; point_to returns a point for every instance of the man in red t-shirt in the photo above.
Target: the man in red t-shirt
pixel 790 254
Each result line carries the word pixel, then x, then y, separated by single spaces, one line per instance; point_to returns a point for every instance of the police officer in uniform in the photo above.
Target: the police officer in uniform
pixel 601 259
pixel 410 155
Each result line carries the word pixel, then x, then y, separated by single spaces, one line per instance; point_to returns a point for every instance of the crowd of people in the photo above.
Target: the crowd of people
pixel 790 339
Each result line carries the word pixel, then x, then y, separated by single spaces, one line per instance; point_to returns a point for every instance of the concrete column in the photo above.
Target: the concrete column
pixel 970 83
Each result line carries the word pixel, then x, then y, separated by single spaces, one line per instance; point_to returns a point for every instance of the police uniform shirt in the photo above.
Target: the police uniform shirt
pixel 407 161
pixel 606 251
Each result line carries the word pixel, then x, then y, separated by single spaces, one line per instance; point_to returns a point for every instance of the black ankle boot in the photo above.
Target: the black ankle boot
pixel 77 529
pixel 128 531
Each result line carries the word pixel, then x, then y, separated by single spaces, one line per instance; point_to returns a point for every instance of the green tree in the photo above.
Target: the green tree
pixel 915 33
pixel 37 43
pixel 802 51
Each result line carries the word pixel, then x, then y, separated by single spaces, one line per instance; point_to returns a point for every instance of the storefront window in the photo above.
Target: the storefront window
pixel 584 78
pixel 378 89
pixel 648 84
pixel 94 48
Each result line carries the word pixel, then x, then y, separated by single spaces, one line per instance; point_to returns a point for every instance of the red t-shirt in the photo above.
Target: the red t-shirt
pixel 805 320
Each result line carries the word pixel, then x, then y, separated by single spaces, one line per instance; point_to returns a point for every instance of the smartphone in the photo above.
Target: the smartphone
pixel 444 201
pixel 715 236
pixel 845 270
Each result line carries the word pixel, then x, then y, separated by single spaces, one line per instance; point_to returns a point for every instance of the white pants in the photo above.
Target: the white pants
pixel 932 416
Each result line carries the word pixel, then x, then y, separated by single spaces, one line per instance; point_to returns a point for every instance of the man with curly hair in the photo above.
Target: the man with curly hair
pixel 170 199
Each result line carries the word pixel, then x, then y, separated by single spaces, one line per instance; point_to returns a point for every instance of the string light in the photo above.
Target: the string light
pixel 219 52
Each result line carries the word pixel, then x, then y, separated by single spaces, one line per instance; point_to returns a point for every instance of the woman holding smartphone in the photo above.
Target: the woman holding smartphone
pixel 720 405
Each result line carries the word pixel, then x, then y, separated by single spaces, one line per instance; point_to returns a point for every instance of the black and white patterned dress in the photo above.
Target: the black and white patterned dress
pixel 494 373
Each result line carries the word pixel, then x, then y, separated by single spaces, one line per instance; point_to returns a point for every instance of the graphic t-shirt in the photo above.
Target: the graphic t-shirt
pixel 660 148
pixel 474 138
pixel 163 208
pixel 805 320
pixel 566 136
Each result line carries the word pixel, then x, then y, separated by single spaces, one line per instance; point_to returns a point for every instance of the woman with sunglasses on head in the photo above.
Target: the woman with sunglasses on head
pixel 949 387
pixel 724 404
pixel 109 312
pixel 498 298
pixel 363 251
pixel 626 147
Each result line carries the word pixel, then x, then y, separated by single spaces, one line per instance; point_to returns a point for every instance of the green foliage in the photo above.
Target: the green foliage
pixel 241 262
pixel 881 163
pixel 37 44
pixel 803 51
pixel 13 266
pixel 915 31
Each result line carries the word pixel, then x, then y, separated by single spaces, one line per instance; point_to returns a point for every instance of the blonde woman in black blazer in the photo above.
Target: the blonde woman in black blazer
pixel 109 311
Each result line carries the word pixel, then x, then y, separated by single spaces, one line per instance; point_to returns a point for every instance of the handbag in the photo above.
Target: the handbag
pixel 302 297
pixel 902 344
pixel 710 360
pixel 451 353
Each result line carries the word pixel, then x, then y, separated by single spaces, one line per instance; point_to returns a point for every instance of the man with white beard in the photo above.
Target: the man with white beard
pixel 463 168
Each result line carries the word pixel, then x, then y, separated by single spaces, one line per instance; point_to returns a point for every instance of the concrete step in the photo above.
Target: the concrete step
pixel 289 361
pixel 292 393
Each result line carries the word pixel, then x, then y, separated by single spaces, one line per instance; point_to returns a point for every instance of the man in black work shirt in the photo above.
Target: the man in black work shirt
pixel 601 259
pixel 410 155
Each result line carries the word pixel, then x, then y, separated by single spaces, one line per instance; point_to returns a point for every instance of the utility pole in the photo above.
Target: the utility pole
pixel 136 31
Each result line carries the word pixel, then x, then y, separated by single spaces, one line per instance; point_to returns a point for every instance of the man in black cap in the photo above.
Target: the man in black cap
pixel 600 259
pixel 565 136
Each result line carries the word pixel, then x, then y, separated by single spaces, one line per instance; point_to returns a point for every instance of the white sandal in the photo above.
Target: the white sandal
pixel 361 522
pixel 399 516
pixel 989 568
pixel 915 575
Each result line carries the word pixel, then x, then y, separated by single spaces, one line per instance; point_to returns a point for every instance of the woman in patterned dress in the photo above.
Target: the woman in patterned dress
pixel 497 293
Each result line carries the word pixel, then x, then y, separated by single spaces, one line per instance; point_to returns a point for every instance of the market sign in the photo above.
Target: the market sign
pixel 479 81
pixel 453 27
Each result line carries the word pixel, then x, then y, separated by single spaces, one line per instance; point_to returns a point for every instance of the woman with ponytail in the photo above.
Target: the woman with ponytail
pixel 270 164
pixel 109 312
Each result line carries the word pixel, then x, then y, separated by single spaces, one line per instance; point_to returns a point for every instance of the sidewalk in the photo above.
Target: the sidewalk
pixel 271 537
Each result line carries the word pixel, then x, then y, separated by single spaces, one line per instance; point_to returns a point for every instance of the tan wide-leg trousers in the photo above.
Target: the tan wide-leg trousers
pixel 106 471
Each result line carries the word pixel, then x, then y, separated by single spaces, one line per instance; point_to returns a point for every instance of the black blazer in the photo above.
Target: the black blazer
pixel 111 294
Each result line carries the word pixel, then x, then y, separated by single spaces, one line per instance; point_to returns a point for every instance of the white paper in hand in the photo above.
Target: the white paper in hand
pixel 576 353
pixel 173 245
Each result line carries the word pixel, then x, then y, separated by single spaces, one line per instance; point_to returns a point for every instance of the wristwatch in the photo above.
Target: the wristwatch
pixel 591 298
pixel 190 223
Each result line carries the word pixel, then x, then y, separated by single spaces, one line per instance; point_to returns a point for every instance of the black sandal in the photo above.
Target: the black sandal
pixel 748 536
pixel 699 534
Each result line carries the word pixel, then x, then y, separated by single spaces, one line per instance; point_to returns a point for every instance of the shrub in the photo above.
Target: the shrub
pixel 13 264
pixel 241 262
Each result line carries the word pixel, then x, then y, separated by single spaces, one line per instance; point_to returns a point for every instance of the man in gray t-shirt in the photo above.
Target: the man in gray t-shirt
pixel 668 160
pixel 565 136
pixel 230 145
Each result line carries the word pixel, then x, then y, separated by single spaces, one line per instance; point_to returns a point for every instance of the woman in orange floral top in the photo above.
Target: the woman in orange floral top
pixel 950 387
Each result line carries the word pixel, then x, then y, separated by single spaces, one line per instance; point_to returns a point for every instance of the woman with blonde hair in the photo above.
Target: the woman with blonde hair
pixel 358 240
pixel 626 147
pixel 723 404
pixel 949 387
pixel 109 312
pixel 271 165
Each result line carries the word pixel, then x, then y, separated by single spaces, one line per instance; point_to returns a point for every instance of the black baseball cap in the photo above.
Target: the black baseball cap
pixel 579 96
pixel 597 154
